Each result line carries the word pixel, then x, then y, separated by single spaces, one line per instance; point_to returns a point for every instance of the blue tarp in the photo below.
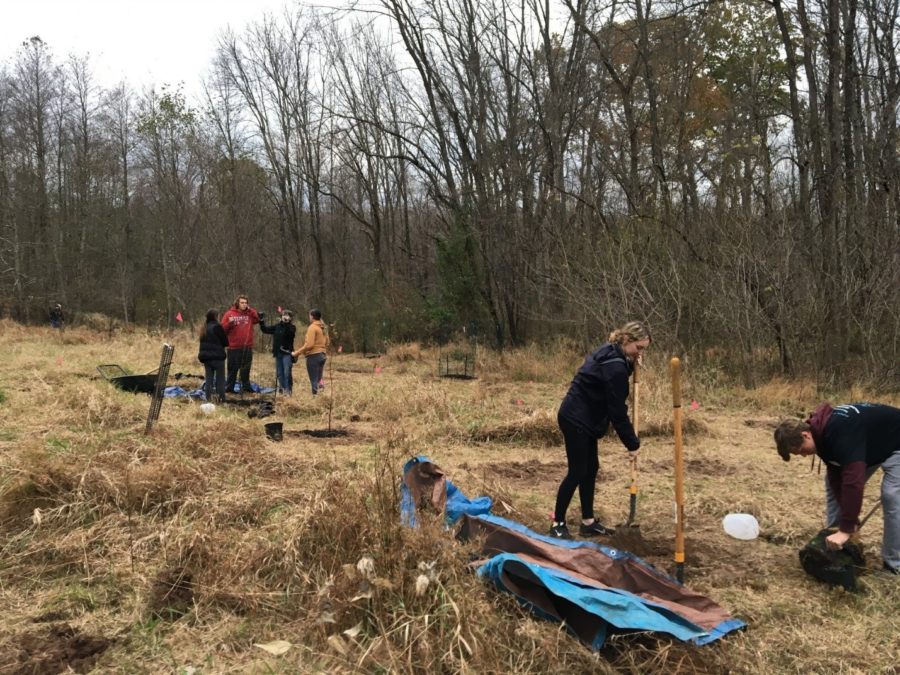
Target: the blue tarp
pixel 457 503
pixel 598 609
pixel 176 391
pixel 619 609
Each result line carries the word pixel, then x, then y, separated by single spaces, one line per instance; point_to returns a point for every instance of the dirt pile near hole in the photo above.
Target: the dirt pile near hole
pixel 630 539
pixel 699 466
pixel 538 428
pixel 762 423
pixel 529 472
pixel 319 433
pixel 689 426
pixel 172 594
pixel 57 649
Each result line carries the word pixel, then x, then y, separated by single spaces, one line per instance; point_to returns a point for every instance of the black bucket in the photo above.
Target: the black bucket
pixel 274 431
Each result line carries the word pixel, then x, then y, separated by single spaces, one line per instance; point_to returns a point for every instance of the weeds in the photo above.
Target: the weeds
pixel 190 546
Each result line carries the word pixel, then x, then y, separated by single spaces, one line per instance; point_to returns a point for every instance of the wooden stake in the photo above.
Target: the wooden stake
pixel 675 366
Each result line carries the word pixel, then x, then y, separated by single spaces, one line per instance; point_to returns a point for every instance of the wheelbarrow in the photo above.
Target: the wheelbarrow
pixel 121 378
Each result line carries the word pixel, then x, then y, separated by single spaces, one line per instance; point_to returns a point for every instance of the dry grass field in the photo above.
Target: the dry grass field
pixel 185 550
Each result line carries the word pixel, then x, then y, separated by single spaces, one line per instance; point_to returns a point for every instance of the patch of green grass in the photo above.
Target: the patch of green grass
pixel 57 446
pixel 75 597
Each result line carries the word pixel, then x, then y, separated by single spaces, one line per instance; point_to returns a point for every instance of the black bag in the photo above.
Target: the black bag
pixel 835 568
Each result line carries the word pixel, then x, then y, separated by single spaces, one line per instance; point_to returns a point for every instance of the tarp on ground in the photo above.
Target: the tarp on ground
pixel 595 589
pixel 178 392
pixel 425 486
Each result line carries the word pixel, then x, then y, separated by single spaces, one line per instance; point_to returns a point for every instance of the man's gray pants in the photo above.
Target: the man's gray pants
pixel 890 503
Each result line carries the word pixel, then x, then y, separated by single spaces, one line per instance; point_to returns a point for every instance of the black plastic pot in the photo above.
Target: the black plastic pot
pixel 274 431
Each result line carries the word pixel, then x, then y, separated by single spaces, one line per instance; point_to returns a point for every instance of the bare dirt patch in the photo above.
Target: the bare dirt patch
pixel 320 433
pixel 762 423
pixel 530 471
pixel 57 649
pixel 699 466
pixel 631 539
pixel 539 428
pixel 172 594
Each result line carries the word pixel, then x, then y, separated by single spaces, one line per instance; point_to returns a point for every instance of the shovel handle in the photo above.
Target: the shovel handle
pixel 634 423
pixel 675 366
pixel 637 398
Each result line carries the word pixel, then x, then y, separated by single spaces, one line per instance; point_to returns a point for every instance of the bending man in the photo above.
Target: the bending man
pixel 853 441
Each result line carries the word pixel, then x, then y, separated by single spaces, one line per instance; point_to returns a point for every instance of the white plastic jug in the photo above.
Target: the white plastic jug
pixel 207 407
pixel 741 526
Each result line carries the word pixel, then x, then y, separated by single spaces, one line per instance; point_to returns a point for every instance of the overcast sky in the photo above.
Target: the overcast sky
pixel 142 41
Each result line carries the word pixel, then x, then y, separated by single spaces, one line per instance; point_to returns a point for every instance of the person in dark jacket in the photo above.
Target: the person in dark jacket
pixel 56 316
pixel 854 441
pixel 213 342
pixel 597 397
pixel 283 334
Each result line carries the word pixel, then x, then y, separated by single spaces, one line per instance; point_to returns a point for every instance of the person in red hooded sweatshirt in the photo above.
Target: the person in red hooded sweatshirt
pixel 854 441
pixel 238 323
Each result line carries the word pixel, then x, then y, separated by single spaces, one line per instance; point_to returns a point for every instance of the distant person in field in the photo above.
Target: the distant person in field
pixel 597 397
pixel 854 441
pixel 213 342
pixel 238 323
pixel 314 347
pixel 283 334
pixel 56 316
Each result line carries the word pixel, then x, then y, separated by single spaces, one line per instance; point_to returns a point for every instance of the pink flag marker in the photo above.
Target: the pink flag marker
pixel 377 370
pixel 520 401
pixel 694 405
pixel 280 310
pixel 340 348
pixel 178 317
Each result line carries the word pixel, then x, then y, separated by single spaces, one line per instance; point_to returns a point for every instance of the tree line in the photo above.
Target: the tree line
pixel 725 170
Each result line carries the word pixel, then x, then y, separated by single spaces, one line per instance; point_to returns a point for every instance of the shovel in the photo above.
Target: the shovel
pixel 630 530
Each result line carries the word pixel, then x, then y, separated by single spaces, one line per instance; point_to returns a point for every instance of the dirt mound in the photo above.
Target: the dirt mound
pixel 320 433
pixel 529 471
pixel 539 428
pixel 689 426
pixel 762 423
pixel 702 466
pixel 630 539
pixel 172 594
pixel 55 650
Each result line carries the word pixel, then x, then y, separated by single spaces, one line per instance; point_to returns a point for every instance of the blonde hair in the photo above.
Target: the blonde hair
pixel 633 331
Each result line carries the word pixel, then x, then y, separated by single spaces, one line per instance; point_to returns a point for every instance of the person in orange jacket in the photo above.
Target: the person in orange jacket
pixel 314 348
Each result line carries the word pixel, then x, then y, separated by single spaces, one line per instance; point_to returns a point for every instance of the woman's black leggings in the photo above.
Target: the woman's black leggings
pixel 584 463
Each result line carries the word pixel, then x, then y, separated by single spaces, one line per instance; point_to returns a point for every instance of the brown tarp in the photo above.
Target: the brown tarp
pixel 590 567
pixel 427 486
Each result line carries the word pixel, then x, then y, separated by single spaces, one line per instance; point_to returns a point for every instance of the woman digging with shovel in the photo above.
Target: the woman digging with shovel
pixel 597 396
